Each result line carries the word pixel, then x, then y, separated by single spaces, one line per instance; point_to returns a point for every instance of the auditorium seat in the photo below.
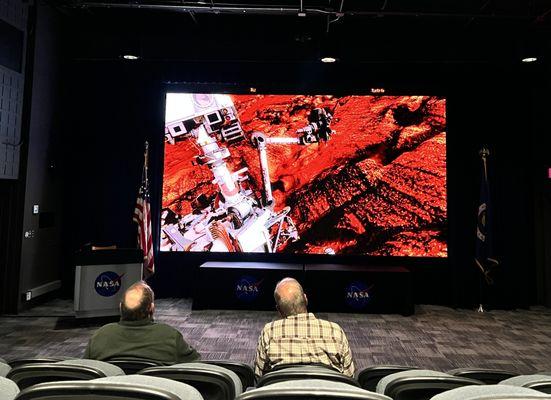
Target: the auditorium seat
pixel 30 374
pixel 420 384
pixel 36 360
pixel 488 376
pixel 212 381
pixel 304 372
pixel 370 376
pixel 310 389
pixel 133 365
pixel 541 383
pixel 490 392
pixel 8 389
pixel 4 369
pixel 131 387
pixel 243 371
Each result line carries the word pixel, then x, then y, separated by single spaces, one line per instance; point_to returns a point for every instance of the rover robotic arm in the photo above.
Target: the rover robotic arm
pixel 316 131
pixel 234 220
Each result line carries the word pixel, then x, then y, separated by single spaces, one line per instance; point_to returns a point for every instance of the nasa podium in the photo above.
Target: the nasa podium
pixel 101 277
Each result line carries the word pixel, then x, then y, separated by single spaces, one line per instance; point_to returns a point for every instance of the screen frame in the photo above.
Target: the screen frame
pixel 304 258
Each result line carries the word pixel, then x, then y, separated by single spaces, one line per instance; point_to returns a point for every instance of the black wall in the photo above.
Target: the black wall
pixel 112 107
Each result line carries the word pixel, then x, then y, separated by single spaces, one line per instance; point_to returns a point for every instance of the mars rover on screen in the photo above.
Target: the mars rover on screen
pixel 271 174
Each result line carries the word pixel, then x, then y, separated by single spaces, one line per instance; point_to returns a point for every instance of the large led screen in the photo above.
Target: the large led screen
pixel 305 174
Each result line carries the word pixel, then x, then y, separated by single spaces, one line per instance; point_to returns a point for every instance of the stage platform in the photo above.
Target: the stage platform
pixel 329 287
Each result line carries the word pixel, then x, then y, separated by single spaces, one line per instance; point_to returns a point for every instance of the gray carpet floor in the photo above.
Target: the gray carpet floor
pixel 435 337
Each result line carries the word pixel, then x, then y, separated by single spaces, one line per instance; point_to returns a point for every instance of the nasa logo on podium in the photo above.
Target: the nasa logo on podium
pixel 247 288
pixel 108 283
pixel 357 295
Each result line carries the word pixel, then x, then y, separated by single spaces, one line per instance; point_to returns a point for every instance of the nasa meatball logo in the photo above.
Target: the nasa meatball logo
pixel 357 295
pixel 247 288
pixel 108 283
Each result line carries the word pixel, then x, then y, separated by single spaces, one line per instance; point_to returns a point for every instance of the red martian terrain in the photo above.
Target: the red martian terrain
pixel 377 187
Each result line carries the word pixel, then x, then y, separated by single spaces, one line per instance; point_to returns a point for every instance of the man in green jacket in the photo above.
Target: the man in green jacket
pixel 136 336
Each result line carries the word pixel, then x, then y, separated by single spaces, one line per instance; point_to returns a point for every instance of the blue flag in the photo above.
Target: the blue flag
pixel 484 258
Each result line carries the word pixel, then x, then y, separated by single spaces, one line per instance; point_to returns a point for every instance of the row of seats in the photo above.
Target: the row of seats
pixel 227 380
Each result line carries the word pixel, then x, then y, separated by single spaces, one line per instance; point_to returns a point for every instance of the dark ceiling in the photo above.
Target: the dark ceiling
pixel 357 31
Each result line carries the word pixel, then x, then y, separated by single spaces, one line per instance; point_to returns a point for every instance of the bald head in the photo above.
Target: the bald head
pixel 137 302
pixel 290 298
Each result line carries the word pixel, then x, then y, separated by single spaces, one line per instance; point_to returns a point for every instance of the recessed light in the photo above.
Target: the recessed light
pixel 130 57
pixel 328 60
pixel 529 59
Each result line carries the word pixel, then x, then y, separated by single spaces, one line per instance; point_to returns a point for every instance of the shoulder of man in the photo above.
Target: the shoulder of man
pixel 162 327
pixel 274 324
pixel 333 326
pixel 107 328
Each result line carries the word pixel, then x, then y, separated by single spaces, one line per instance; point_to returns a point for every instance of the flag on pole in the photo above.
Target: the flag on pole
pixel 142 216
pixel 484 230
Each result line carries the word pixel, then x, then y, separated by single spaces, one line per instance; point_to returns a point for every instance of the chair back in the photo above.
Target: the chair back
pixel 4 369
pixel 132 366
pixel 420 384
pixel 539 382
pixel 8 389
pixel 34 360
pixel 212 381
pixel 31 374
pixel 132 387
pixel 491 392
pixel 243 371
pixel 305 372
pixel 310 389
pixel 370 376
pixel 488 376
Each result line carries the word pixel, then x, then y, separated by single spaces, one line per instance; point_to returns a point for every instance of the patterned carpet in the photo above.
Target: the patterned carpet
pixel 435 337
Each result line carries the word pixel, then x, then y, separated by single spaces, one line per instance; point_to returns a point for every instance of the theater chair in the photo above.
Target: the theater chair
pixel 420 384
pixel 488 376
pixel 491 392
pixel 310 389
pixel 541 383
pixel 4 369
pixel 304 372
pixel 8 389
pixel 370 376
pixel 243 371
pixel 212 381
pixel 31 374
pixel 36 360
pixel 133 365
pixel 131 387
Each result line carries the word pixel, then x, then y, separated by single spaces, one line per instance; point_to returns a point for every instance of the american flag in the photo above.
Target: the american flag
pixel 142 216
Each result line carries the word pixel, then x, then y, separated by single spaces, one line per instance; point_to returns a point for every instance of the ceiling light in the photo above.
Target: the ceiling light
pixel 328 60
pixel 529 59
pixel 130 57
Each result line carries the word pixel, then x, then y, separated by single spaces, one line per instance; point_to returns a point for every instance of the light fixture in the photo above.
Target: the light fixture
pixel 328 59
pixel 130 57
pixel 529 59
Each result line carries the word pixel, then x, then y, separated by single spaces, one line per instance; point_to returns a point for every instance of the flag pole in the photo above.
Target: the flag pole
pixel 146 163
pixel 483 153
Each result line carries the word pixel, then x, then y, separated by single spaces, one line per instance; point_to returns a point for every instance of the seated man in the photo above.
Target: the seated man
pixel 137 336
pixel 299 337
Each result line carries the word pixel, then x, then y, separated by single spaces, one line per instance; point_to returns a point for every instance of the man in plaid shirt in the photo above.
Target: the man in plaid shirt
pixel 299 337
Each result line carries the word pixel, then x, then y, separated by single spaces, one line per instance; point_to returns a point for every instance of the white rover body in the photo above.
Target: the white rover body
pixel 234 220
pixel 214 111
